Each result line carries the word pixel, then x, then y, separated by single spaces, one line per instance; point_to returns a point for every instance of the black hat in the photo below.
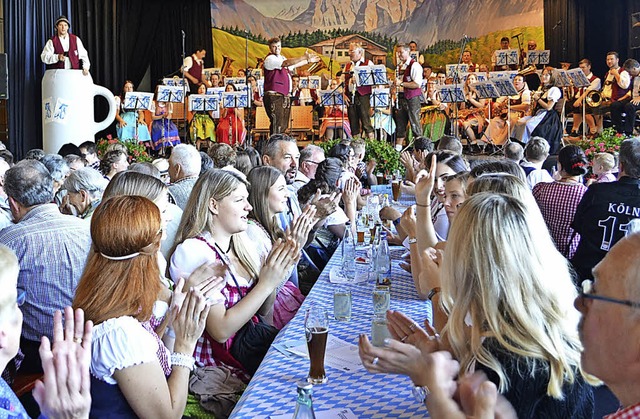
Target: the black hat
pixel 62 19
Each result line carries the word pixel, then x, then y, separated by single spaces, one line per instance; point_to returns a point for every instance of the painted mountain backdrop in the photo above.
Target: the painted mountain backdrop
pixel 426 21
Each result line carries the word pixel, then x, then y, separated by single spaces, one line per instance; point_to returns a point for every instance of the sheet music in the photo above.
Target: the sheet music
pixel 170 94
pixel 330 98
pixel 537 57
pixel 504 86
pixel 203 102
pixel 380 97
pixel 235 80
pixel 578 77
pixel 451 69
pixel 235 99
pixel 174 81
pixel 486 90
pixel 370 75
pixel 310 82
pixel 507 57
pixel 143 101
pixel 562 78
pixel 451 93
pixel 510 74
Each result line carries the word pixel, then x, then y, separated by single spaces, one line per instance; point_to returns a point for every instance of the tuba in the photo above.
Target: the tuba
pixel 225 71
pixel 594 99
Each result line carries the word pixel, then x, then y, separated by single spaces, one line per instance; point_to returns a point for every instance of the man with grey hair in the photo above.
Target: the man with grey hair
pixel 535 154
pixel 606 210
pixel 609 328
pixel 310 157
pixel 58 168
pixel 623 110
pixel 5 212
pixel 184 169
pixel 84 188
pixel 52 249
pixel 357 98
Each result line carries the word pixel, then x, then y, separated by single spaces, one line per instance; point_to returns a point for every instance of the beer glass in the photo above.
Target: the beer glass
pixel 316 327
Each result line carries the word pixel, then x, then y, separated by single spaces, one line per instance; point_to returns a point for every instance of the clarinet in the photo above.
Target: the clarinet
pixel 397 105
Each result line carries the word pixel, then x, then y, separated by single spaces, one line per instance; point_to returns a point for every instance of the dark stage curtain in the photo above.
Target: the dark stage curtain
pixel 589 29
pixel 28 25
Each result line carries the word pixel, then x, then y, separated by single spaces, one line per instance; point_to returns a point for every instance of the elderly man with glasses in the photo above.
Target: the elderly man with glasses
pixel 310 157
pixel 610 330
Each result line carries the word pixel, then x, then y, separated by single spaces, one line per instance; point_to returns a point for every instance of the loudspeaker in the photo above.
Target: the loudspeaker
pixel 4 77
pixel 634 32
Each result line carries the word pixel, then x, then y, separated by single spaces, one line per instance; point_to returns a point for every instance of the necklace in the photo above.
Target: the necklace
pixel 569 179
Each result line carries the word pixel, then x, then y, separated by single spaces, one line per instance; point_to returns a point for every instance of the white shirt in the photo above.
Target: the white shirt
pixel 416 71
pixel 274 62
pixel 188 62
pixel 48 55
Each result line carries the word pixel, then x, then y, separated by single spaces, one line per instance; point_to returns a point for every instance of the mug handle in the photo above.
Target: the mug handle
pixel 104 92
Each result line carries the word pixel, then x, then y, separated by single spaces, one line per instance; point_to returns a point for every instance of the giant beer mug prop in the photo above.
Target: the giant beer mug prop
pixel 67 108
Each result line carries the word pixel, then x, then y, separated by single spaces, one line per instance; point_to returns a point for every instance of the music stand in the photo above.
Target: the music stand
pixel 454 70
pixel 334 98
pixel 506 57
pixel 372 75
pixel 380 99
pixel 203 103
pixel 487 90
pixel 310 82
pixel 137 101
pixel 173 81
pixel 235 80
pixel 169 94
pixel 580 80
pixel 452 93
pixel 235 100
pixel 538 57
pixel 505 88
pixel 510 74
pixel 217 91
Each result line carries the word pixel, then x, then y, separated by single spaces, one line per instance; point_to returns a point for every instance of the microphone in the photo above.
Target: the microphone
pixel 183 35
pixel 516 35
pixel 558 23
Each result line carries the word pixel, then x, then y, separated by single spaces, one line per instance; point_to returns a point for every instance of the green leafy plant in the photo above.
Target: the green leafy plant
pixel 136 151
pixel 607 142
pixel 385 155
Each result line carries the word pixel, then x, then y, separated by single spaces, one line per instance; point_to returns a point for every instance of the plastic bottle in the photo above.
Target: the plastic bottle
pixel 348 252
pixel 383 261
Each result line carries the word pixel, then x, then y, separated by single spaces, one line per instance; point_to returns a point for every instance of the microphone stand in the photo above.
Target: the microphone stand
pixel 333 48
pixel 249 89
pixel 456 80
pixel 184 92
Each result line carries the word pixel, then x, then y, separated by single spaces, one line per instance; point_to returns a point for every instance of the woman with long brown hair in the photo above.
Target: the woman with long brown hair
pixel 117 292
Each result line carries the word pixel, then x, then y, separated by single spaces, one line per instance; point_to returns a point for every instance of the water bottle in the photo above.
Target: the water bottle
pixel 383 261
pixel 304 404
pixel 348 252
pixel 385 201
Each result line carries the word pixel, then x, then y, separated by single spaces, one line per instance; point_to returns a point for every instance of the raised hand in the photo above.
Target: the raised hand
pixel 190 321
pixel 301 225
pixel 282 256
pixel 425 182
pixel 64 391
pixel 326 205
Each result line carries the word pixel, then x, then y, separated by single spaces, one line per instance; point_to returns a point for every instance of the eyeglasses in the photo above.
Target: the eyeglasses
pixel 311 161
pixel 22 296
pixel 587 289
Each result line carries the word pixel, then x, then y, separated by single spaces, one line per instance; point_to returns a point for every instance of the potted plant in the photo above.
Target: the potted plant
pixel 386 157
pixel 136 151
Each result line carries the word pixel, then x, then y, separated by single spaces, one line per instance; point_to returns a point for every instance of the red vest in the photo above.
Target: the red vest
pixel 73 52
pixel 579 91
pixel 277 80
pixel 363 90
pixel 406 77
pixel 195 70
pixel 616 91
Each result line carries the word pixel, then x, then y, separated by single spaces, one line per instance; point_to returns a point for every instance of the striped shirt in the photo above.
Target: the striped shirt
pixel 52 251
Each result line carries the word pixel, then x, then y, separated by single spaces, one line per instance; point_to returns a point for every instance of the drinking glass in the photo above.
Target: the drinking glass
pixel 316 327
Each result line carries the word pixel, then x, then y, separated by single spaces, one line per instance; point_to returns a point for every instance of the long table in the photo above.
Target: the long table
pixel 272 391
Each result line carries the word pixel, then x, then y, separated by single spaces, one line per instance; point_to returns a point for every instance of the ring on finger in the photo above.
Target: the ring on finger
pixel 375 361
pixel 404 338
pixel 77 340
pixel 413 327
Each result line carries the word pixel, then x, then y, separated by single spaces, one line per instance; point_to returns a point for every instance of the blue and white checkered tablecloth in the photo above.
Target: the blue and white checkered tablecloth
pixel 272 391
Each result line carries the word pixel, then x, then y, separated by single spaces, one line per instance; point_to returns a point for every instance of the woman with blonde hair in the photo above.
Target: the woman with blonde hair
pixel 509 298
pixel 117 291
pixel 213 230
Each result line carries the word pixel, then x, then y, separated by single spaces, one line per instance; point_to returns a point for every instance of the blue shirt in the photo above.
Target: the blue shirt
pixel 52 250
pixel 10 406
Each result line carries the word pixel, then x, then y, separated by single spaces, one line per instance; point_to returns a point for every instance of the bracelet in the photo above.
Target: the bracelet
pixel 432 293
pixel 396 221
pixel 423 206
pixel 183 360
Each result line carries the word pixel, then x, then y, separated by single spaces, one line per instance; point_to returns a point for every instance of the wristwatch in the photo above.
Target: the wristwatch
pixel 420 393
pixel 432 293
pixel 412 240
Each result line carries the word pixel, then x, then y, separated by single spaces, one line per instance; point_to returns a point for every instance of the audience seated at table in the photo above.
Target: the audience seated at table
pixel 133 373
pixel 214 231
pixel 509 314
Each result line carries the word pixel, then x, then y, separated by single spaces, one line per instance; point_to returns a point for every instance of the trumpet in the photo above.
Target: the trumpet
pixel 594 99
